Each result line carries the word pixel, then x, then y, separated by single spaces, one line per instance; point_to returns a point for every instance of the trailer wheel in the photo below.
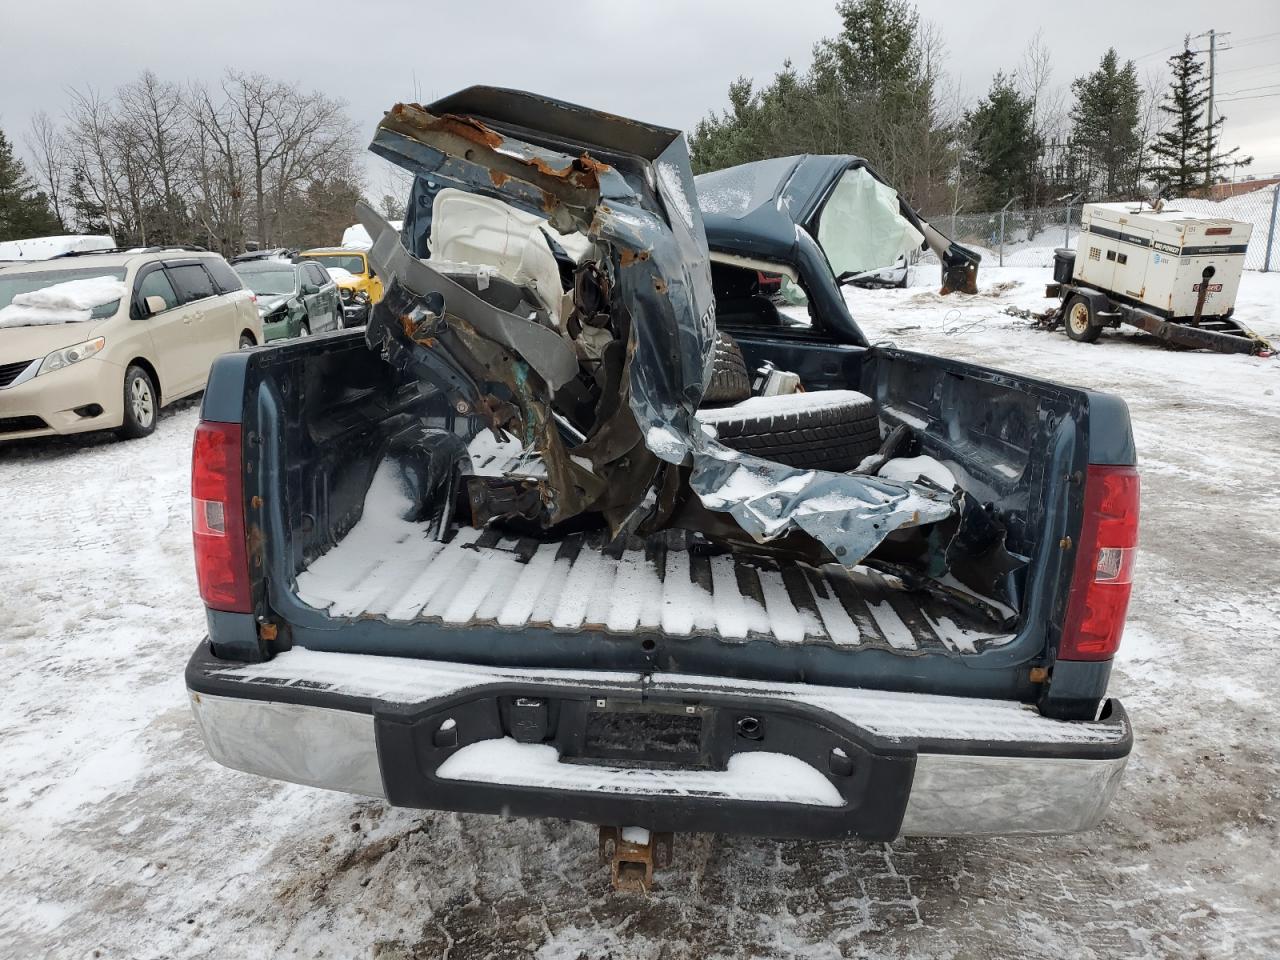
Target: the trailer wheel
pixel 1079 321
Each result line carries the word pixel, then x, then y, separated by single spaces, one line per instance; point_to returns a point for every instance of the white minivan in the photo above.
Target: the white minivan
pixel 97 341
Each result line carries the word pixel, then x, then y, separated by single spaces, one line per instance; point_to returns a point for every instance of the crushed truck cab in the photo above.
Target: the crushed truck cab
pixel 558 535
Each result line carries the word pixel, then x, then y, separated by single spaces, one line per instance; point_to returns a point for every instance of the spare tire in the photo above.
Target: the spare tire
pixel 729 381
pixel 827 429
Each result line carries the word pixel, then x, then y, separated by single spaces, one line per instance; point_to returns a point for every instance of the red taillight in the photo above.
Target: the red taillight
pixel 217 518
pixel 1103 574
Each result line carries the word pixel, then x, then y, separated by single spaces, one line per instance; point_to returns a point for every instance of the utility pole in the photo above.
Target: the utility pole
pixel 1213 36
pixel 1208 130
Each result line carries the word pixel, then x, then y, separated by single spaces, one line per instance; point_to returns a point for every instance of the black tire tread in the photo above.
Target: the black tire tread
pixel 730 382
pixel 833 438
pixel 130 429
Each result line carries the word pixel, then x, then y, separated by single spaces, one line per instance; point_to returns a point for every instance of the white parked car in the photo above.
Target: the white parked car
pixel 98 341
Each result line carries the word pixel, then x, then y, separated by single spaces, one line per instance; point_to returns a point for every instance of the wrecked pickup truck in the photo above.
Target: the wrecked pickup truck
pixel 559 535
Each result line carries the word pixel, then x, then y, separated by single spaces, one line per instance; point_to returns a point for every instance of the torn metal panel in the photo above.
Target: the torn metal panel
pixel 848 514
pixel 656 300
pixel 540 346
pixel 573 183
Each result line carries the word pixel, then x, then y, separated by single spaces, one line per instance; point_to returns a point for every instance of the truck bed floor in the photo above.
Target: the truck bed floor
pixel 656 586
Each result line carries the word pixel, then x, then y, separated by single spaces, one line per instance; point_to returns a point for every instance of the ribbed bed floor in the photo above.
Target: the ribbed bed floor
pixel 388 568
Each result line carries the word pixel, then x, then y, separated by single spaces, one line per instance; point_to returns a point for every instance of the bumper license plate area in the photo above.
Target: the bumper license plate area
pixel 655 735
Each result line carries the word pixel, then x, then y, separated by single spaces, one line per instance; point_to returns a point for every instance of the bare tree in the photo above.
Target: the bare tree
pixel 156 162
pixel 133 178
pixel 1151 120
pixel 316 145
pixel 92 157
pixel 49 161
pixel 253 99
pixel 936 147
pixel 262 149
pixel 290 138
pixel 393 188
pixel 158 126
pixel 1048 115
pixel 218 169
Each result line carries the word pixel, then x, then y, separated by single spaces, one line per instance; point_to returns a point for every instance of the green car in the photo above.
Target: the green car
pixel 294 299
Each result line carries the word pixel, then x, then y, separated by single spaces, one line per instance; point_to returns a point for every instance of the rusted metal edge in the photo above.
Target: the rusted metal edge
pixel 1197 337
pixel 577 184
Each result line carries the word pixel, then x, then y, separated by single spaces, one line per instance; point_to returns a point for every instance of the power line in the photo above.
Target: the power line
pixel 1265 86
pixel 1256 66
pixel 1265 38
pixel 1153 53
pixel 1256 96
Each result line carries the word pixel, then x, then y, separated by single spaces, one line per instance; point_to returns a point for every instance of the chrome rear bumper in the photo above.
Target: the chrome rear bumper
pixel 372 726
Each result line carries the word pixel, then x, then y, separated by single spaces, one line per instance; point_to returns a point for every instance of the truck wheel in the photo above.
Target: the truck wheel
pixel 828 429
pixel 730 381
pixel 1078 319
pixel 140 404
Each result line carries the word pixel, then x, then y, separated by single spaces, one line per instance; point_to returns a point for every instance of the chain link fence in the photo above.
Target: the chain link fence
pixel 1027 238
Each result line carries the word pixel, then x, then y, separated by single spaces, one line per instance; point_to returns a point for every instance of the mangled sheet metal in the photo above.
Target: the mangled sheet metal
pixel 608 398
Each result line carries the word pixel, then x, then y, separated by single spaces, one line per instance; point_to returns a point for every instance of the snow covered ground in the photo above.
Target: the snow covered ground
pixel 119 838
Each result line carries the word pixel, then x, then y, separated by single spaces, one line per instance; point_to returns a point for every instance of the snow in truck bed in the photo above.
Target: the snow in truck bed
pixel 390 568
pixel 782 405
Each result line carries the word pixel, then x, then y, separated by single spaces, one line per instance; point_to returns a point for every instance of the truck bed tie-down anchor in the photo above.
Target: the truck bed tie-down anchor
pixel 634 853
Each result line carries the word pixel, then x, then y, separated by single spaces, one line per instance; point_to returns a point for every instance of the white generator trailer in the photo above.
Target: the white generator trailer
pixel 1170 273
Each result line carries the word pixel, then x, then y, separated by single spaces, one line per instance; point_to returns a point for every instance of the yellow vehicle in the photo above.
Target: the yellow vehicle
pixel 359 290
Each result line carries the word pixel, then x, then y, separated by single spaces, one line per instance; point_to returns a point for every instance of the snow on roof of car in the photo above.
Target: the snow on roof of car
pixel 356 237
pixel 44 248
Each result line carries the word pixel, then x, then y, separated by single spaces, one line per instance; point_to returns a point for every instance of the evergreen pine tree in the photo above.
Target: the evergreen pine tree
pixel 1185 154
pixel 1213 160
pixel 89 214
pixel 1104 126
pixel 1179 149
pixel 877 52
pixel 1003 147
pixel 870 91
pixel 24 210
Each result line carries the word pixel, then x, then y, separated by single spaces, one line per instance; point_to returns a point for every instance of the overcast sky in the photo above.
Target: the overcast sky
pixel 664 61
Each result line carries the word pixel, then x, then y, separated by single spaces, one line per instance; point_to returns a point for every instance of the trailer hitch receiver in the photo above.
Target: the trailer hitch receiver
pixel 634 853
